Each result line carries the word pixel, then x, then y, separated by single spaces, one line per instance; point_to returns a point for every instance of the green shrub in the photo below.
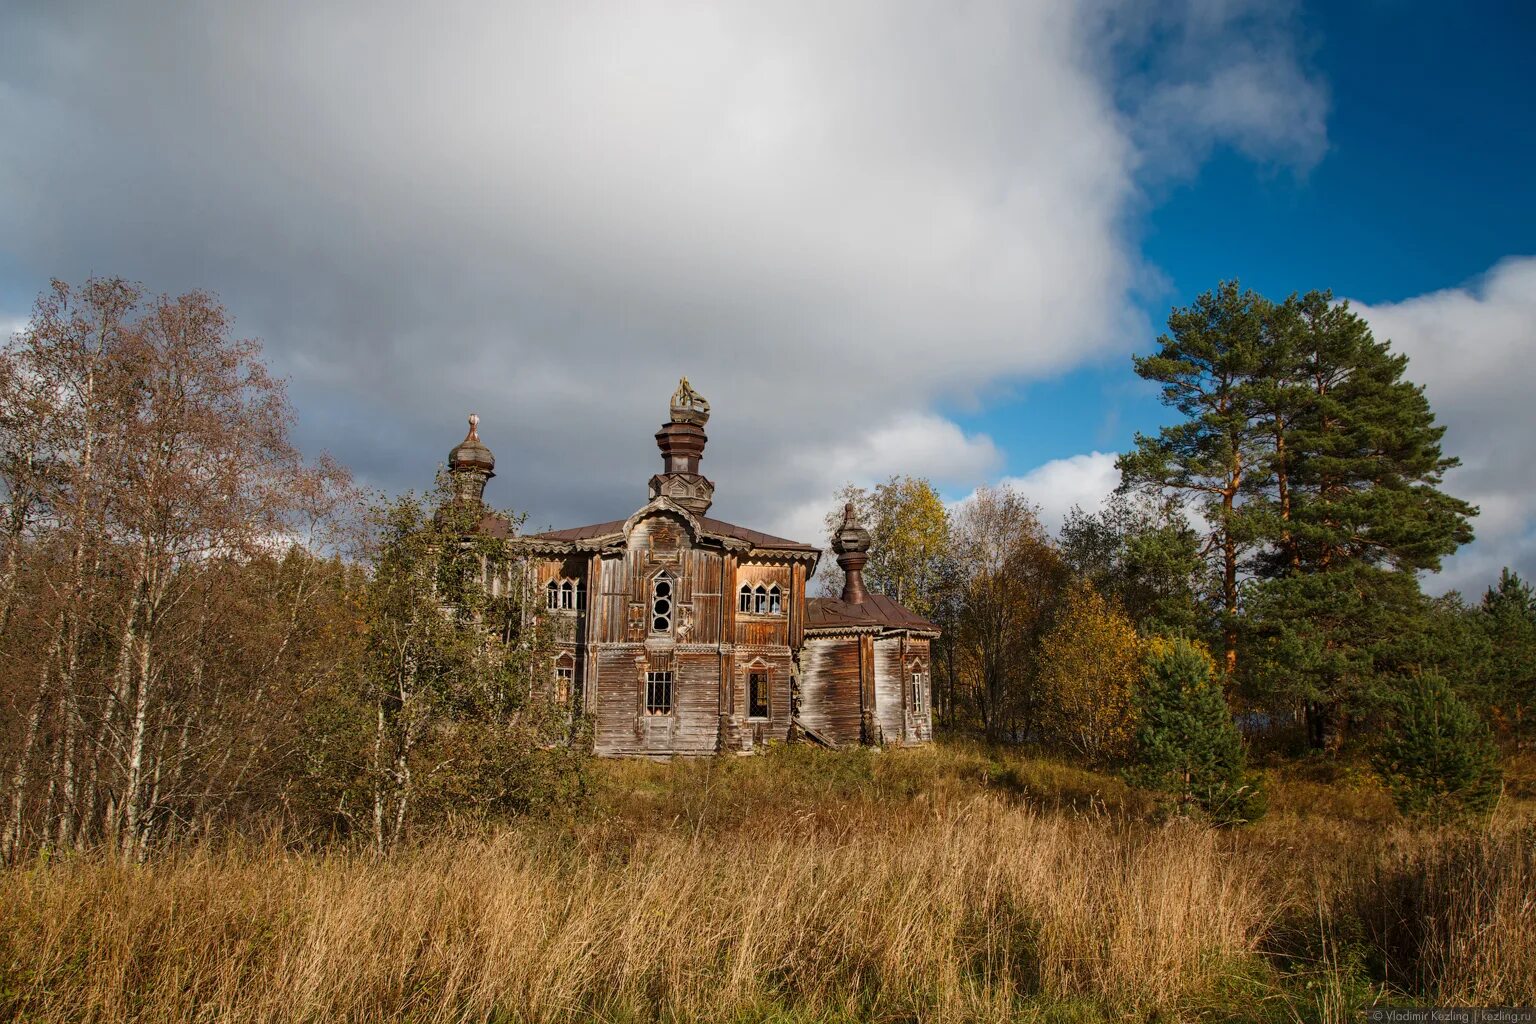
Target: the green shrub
pixel 1186 743
pixel 1435 755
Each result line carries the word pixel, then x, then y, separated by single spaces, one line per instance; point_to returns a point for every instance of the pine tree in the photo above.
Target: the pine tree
pixel 1186 743
pixel 1436 756
pixel 1508 618
pixel 1207 364
pixel 1321 641
pixel 1363 455
pixel 1349 503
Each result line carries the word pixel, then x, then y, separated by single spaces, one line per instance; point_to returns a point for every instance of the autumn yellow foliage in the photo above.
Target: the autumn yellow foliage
pixel 1089 663
pixel 1159 645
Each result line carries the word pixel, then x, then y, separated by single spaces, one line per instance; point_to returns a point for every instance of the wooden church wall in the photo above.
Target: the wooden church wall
pixel 829 687
pixel 889 690
pixel 922 724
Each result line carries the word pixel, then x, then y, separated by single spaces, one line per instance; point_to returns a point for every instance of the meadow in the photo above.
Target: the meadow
pixel 954 883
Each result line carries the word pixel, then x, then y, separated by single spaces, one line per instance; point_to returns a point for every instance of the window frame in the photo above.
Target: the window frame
pixel 667 617
pixel 565 594
pixel 919 690
pixel 765 677
pixel 654 706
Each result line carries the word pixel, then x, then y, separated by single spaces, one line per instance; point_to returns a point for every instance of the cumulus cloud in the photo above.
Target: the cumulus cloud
pixel 1471 347
pixel 833 219
pixel 1056 487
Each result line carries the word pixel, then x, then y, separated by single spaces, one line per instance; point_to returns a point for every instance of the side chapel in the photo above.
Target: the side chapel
pixel 682 634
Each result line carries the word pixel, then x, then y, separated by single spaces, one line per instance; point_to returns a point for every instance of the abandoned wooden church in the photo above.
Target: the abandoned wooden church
pixel 682 634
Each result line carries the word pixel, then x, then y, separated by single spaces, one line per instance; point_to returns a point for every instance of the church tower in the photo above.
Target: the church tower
pixel 682 443
pixel 471 464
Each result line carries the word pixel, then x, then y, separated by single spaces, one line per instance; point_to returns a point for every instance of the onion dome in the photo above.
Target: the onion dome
pixel 851 544
pixel 471 463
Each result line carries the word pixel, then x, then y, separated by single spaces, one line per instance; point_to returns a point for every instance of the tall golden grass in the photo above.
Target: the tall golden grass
pixel 949 904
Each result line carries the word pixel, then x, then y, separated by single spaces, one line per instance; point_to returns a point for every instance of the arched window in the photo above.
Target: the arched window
pixel 661 604
pixel 919 689
pixel 775 605
pixel 744 602
pixel 581 594
pixel 760 600
pixel 565 679
pixel 567 595
pixel 552 595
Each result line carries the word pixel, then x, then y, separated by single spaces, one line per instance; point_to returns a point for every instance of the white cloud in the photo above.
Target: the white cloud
pixel 1227 73
pixel 831 218
pixel 1056 487
pixel 1474 350
pixel 913 444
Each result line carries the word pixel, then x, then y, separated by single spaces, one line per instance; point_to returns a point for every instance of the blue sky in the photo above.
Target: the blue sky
pixel 1428 181
pixel 881 236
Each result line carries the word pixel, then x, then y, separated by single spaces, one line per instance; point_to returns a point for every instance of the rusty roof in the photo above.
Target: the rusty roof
pixel 582 532
pixel 833 613
pixel 495 525
pixel 718 527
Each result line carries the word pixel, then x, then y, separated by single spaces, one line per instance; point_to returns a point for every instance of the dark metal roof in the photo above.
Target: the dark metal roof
pixel 877 610
pixel 494 525
pixel 717 527
pixel 756 538
pixel 472 451
pixel 582 532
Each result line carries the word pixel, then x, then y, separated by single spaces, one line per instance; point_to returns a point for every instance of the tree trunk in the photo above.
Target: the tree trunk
pixel 11 843
pixel 378 778
pixel 70 712
pixel 1283 484
pixel 133 795
pixel 1229 602
pixel 1325 726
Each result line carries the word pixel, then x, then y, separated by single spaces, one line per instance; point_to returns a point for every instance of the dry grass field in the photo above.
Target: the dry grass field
pixel 950 884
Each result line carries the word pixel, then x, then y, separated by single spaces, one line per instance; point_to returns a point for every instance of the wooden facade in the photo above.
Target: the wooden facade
pixel 681 634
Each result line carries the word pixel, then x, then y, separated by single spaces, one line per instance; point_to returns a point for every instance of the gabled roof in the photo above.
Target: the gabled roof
pixel 718 527
pixel 830 614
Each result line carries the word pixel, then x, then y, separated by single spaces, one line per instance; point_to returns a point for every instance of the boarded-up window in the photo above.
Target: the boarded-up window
pixel 565 677
pixel 757 694
pixel 658 693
